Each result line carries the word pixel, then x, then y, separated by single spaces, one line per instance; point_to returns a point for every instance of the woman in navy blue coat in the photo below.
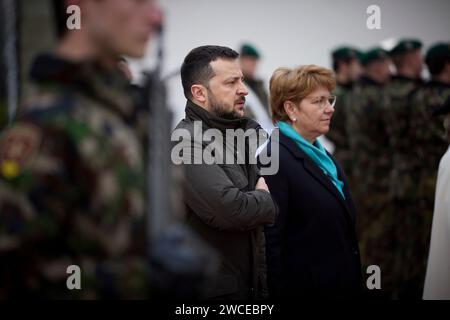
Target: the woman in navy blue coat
pixel 311 250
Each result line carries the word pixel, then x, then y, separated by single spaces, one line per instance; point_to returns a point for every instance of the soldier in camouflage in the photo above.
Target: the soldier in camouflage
pixel 407 58
pixel 3 90
pixel 249 59
pixel 347 66
pixel 72 167
pixel 368 142
pixel 426 129
pixel 424 144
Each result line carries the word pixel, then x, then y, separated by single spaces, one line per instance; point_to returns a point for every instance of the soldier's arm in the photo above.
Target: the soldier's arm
pixel 37 188
pixel 38 198
pixel 53 214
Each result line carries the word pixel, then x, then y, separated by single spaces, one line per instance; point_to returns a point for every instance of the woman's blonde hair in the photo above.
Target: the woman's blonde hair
pixel 288 84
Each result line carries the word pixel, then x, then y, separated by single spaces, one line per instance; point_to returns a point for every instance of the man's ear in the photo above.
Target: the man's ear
pixel 199 93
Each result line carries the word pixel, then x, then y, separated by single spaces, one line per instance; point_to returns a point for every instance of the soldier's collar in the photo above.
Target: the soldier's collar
pixel 109 86
pixel 368 81
pixel 346 85
pixel 405 78
pixel 436 83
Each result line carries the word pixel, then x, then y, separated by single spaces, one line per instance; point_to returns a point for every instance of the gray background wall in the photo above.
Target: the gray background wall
pixel 291 32
pixel 287 32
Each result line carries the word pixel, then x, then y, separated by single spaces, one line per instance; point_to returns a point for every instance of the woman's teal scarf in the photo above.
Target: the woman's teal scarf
pixel 317 154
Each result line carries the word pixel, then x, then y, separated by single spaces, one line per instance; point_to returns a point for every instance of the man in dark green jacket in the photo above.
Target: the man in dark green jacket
pixel 227 203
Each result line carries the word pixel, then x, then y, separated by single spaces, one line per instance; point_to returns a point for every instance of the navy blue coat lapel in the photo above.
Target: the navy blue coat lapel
pixel 318 174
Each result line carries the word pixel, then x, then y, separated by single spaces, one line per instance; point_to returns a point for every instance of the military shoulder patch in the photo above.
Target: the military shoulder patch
pixel 18 146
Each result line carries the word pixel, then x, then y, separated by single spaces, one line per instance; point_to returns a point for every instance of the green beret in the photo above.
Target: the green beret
pixel 346 53
pixel 438 51
pixel 406 45
pixel 249 51
pixel 374 55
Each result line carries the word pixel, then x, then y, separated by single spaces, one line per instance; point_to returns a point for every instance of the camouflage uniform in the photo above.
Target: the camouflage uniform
pixel 402 178
pixel 72 187
pixel 398 118
pixel 414 181
pixel 338 129
pixel 368 141
pixel 256 85
pixel 399 91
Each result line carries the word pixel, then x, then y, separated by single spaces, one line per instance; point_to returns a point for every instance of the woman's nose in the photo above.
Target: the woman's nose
pixel 329 108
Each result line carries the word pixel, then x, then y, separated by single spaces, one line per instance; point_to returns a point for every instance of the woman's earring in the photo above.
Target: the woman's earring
pixel 294 119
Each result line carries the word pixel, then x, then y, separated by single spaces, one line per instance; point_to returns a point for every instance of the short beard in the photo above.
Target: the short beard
pixel 220 111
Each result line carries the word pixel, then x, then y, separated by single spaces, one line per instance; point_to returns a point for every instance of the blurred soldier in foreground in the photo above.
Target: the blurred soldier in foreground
pixel 3 114
pixel 347 66
pixel 4 53
pixel 72 168
pixel 428 143
pixel 371 160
